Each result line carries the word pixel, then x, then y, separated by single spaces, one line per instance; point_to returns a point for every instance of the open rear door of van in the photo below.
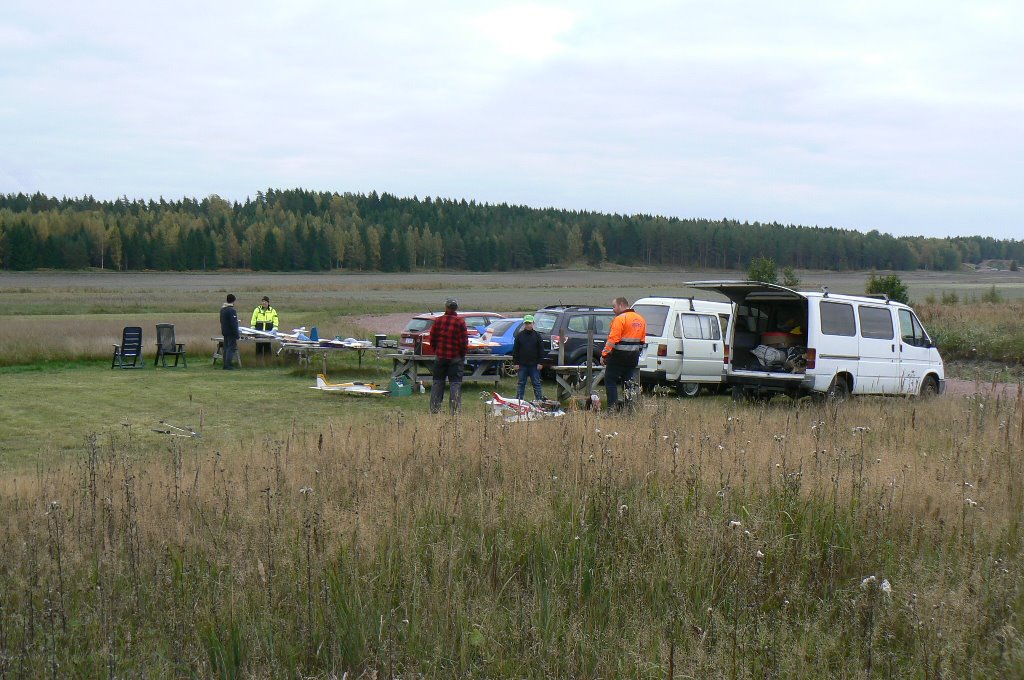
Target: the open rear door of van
pixel 738 291
pixel 742 341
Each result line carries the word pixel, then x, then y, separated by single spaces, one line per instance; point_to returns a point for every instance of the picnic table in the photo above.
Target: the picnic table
pixel 480 368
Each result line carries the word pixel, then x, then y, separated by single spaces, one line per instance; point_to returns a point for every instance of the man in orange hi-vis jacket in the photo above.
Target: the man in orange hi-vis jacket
pixel 621 354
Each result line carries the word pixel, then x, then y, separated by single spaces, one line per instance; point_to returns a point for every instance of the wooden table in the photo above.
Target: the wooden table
pixel 480 368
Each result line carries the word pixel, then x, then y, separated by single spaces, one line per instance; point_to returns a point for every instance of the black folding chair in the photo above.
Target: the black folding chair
pixel 129 353
pixel 167 347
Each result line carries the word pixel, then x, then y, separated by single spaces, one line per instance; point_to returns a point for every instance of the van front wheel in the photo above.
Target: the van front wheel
pixel 929 387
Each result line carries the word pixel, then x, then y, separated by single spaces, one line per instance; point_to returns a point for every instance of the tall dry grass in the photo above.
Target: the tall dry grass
pixel 880 538
pixel 981 330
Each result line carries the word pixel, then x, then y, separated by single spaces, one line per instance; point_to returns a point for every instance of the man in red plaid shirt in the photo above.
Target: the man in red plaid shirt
pixel 449 339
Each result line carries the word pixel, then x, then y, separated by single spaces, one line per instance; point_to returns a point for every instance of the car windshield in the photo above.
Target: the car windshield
pixel 543 322
pixel 418 325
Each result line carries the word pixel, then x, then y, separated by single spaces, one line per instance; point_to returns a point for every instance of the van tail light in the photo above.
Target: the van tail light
pixel 555 341
pixel 812 356
pixel 725 354
pixel 662 350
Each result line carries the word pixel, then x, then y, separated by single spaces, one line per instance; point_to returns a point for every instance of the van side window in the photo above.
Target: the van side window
pixel 700 327
pixel 691 326
pixel 709 328
pixel 911 330
pixel 875 322
pixel 723 322
pixel 837 318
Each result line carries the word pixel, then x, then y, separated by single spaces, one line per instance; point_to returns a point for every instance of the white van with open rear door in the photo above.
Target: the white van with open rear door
pixel 782 341
pixel 685 343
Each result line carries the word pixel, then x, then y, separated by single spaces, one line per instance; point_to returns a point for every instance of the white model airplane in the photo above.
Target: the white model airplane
pixel 357 388
pixel 517 410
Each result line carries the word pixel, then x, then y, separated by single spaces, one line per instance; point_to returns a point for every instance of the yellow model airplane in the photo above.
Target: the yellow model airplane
pixel 357 388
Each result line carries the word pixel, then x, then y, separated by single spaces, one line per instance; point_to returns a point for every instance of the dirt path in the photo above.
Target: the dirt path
pixel 392 324
pixel 966 388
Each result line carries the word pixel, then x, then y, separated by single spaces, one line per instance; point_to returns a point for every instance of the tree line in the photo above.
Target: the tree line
pixel 300 230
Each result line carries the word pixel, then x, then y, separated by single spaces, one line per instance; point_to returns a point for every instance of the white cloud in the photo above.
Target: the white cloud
pixel 529 32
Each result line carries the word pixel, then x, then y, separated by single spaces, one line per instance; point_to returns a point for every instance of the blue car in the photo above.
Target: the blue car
pixel 503 332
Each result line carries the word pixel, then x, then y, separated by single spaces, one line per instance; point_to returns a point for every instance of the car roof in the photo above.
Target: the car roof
pixel 669 300
pixel 434 315
pixel 575 308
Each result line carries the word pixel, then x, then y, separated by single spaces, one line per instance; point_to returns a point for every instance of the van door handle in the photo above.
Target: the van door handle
pixel 714 347
pixel 679 351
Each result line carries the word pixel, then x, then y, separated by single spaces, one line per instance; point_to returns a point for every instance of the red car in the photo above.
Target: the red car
pixel 416 335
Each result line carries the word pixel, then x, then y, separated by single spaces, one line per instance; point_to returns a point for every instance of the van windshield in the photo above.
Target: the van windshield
pixel 655 316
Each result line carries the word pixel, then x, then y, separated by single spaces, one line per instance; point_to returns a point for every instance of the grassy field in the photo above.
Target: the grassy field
pixel 311 535
pixel 696 539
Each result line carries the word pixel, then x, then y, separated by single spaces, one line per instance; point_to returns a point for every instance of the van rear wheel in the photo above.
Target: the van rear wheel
pixel 838 391
pixel 688 389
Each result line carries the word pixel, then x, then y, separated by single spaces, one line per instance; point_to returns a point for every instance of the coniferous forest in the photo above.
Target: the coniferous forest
pixel 299 230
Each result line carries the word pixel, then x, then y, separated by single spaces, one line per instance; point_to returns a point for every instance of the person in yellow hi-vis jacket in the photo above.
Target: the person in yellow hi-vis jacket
pixel 621 354
pixel 264 318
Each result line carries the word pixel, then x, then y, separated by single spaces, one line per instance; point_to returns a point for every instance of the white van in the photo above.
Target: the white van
pixel 685 343
pixel 800 343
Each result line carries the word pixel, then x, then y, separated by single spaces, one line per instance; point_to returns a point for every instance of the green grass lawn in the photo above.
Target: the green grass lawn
pixel 50 409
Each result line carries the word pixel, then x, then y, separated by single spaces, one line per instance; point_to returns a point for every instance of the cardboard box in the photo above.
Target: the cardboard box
pixel 779 339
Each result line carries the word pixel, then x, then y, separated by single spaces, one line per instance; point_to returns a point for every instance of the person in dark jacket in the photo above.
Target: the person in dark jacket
pixel 450 339
pixel 527 350
pixel 229 329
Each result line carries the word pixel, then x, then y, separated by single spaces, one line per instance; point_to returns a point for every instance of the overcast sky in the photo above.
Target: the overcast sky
pixel 906 117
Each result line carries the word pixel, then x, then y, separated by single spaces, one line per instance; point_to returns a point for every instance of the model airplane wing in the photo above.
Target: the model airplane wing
pixel 245 332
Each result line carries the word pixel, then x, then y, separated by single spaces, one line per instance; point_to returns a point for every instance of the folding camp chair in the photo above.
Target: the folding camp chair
pixel 166 346
pixel 129 353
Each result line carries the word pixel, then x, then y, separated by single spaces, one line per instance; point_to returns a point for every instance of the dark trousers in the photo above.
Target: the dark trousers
pixel 263 349
pixel 619 367
pixel 533 373
pixel 230 353
pixel 450 370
